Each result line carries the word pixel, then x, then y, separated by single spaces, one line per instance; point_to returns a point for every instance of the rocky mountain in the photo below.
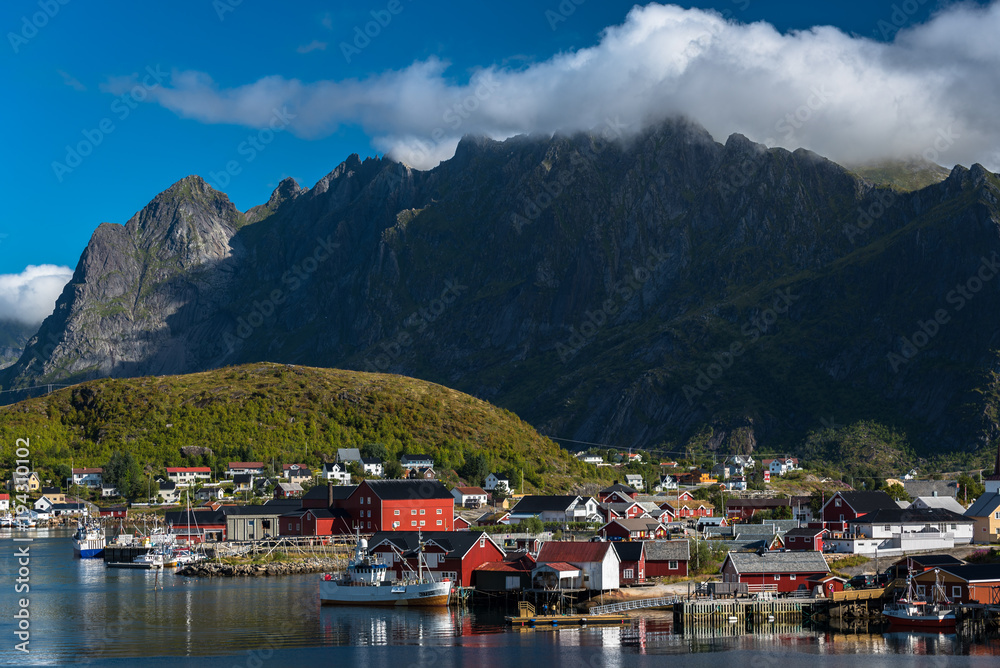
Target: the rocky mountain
pixel 13 337
pixel 633 290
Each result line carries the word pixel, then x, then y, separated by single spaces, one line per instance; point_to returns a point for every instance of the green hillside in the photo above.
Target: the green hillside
pixel 265 412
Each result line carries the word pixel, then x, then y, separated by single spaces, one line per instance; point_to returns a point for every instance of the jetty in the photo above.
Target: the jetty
pixel 527 619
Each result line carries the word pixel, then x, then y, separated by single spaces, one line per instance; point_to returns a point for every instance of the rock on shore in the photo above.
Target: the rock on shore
pixel 214 569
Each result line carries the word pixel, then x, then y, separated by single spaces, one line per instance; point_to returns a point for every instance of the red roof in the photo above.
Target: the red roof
pixel 86 471
pixel 4 497
pixel 555 551
pixel 246 465
pixel 560 566
pixel 498 566
pixel 286 467
pixel 470 491
pixel 188 469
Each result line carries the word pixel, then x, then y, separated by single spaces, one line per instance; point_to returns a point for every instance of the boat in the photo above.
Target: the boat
pixel 89 541
pixel 364 583
pixel 910 612
pixel 158 557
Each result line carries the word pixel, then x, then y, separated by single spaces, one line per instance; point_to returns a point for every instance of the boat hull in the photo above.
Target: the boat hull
pixel 901 621
pixel 429 594
pixel 90 548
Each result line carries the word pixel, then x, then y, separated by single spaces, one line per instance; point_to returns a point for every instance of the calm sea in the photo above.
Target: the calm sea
pixel 84 613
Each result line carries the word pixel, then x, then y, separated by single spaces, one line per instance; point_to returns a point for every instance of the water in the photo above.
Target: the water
pixel 82 612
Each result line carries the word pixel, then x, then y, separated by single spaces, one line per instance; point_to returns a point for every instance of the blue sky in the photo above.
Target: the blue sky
pixel 154 91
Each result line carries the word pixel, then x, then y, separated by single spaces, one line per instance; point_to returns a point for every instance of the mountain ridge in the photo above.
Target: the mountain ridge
pixel 646 258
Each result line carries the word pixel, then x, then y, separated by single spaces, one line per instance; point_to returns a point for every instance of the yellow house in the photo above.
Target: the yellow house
pixel 33 481
pixel 986 513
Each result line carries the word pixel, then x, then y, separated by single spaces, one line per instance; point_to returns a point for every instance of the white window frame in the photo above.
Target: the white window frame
pixel 395 525
pixel 413 523
pixel 777 577
pixel 629 574
pixel 423 511
pixel 440 523
pixel 422 522
pixel 413 511
pixel 672 565
pixel 792 576
pixel 956 591
pixel 396 512
pixel 439 511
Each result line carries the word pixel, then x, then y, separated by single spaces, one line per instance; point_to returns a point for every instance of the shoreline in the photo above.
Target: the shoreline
pixel 271 569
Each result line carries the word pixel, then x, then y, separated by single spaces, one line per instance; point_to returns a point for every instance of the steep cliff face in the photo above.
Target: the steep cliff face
pixel 630 291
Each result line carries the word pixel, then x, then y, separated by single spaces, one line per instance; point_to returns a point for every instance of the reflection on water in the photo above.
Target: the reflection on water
pixel 81 610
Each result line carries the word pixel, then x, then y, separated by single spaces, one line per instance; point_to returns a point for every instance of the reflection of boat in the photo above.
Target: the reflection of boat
pixel 364 583
pixel 911 612
pixel 89 541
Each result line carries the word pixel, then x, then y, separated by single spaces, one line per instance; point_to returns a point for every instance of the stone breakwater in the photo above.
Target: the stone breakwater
pixel 213 569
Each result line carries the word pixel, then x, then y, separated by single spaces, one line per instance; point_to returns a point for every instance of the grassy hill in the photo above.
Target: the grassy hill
pixel 902 175
pixel 265 412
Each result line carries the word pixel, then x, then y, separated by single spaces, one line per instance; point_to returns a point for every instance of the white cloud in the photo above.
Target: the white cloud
pixel 931 91
pixel 312 46
pixel 30 296
pixel 71 81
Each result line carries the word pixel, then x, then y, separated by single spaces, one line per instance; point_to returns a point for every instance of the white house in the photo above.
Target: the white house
pixel 4 501
pixel 88 477
pixel 634 480
pixel 297 473
pixel 188 475
pixel 741 463
pixel 336 472
pixel 892 531
pixel 244 468
pixel 496 479
pixel 781 466
pixel 372 466
pixel 169 492
pixel 588 458
pixel 108 492
pixel 945 502
pixel 210 493
pixel 556 509
pixel 666 482
pixel 43 505
pixel 470 497
pixel 417 461
pixel 598 563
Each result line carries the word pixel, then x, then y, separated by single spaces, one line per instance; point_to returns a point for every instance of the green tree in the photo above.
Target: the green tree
pixel 476 468
pixel 969 488
pixel 122 472
pixel 392 470
pixel 897 492
pixel 377 450
pixel 533 525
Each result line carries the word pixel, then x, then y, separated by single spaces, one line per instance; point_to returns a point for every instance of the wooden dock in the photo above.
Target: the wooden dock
pixel 736 617
pixel 526 619
pixel 123 554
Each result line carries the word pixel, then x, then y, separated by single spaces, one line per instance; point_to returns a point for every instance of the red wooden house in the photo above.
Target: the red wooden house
pixel 114 511
pixel 632 556
pixel 805 538
pixel 613 511
pixel 400 505
pixel 846 506
pixel 633 529
pixel 197 525
pixel 665 558
pixel 617 493
pixel 314 522
pixel 461 524
pixel 327 496
pixel 448 554
pixel 829 584
pixel 780 572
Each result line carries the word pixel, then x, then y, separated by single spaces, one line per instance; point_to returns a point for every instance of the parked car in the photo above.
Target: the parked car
pixel 864 581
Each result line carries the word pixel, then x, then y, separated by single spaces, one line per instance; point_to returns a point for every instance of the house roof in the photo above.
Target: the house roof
pixel 629 550
pixel 540 503
pixel 242 478
pixel 974 572
pixel 371 460
pixel 553 551
pixel 50 490
pixel 283 502
pixel 911 515
pixel 500 476
pixel 803 532
pixel 636 524
pixel 168 486
pixel 560 566
pixel 492 516
pixel 866 502
pixel 617 487
pixel 416 458
pixel 408 489
pixel 273 510
pixel 932 560
pixel 246 465
pixel 667 550
pixel 86 471
pixel 187 518
pixel 778 562
pixel 984 506
pixel 471 491
pixel 340 492
pixel 287 467
pixel 189 469
pixel 290 486
pixel 455 543
pixel 917 488
pixel 349 454
pixel 946 502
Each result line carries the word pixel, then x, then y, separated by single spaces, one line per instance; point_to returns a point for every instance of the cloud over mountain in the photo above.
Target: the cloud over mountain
pixel 30 296
pixel 930 91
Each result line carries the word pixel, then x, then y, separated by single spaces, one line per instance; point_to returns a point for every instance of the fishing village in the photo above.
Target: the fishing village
pixel 760 563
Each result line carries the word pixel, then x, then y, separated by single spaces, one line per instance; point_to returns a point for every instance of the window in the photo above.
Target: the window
pixel 628 573
pixel 996 515
pixel 887 528
pixel 369 499
pixel 777 578
pixel 921 590
pixel 836 502
pixel 422 522
pixel 422 511
pixel 791 577
pixel 369 525
pixel 395 525
pixel 482 541
pixel 395 512
pixel 413 511
pixel 362 500
pixel 440 523
pixel 672 565
pixel 956 592
pixel 439 511
pixel 413 523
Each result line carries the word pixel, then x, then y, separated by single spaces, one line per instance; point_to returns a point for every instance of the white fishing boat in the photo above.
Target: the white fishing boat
pixel 911 612
pixel 158 557
pixel 89 541
pixel 364 583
